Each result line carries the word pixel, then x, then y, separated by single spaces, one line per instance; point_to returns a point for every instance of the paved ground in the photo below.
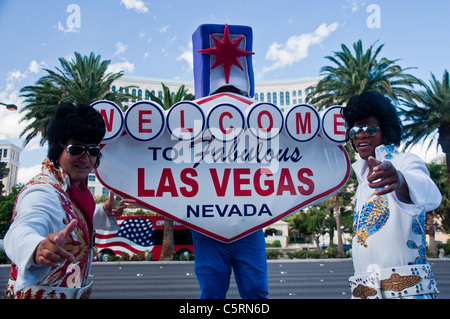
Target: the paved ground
pixel 288 279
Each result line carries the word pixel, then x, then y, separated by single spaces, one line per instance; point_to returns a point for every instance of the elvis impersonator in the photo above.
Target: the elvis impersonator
pixel 50 240
pixel 394 193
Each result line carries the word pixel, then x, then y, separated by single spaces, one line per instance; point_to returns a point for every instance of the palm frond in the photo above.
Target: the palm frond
pixel 81 80
pixel 352 73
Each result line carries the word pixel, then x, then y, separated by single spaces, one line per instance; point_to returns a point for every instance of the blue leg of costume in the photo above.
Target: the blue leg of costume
pixel 214 261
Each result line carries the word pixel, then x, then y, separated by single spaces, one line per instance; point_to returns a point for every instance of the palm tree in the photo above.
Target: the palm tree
pixel 168 100
pixel 42 100
pixel 428 116
pixel 354 74
pixel 438 173
pixel 360 72
pixel 80 81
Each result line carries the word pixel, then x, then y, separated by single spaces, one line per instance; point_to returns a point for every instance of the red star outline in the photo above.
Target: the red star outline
pixel 227 52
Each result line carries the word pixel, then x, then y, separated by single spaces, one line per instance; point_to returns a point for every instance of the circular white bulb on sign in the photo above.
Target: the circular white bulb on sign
pixel 185 121
pixel 333 125
pixel 113 117
pixel 302 123
pixel 225 122
pixel 265 121
pixel 145 121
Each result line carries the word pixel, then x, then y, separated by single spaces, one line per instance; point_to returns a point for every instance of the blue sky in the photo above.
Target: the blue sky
pixel 152 39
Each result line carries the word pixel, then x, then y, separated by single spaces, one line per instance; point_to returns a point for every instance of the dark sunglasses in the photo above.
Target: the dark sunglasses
pixel 368 130
pixel 77 150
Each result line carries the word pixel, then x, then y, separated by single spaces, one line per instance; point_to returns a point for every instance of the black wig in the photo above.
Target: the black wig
pixel 82 123
pixel 372 103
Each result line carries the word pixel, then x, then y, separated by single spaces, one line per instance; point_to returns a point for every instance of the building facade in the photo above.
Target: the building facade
pixel 284 94
pixel 10 154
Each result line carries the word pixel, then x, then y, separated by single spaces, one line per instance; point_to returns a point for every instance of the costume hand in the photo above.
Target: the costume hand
pixel 117 211
pixel 385 174
pixel 50 251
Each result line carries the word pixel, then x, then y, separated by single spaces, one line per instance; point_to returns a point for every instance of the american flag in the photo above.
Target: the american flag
pixel 134 236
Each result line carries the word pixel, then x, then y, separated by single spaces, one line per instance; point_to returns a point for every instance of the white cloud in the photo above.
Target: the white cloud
pixel 355 5
pixel 187 56
pixel 35 67
pixel 428 155
pixel 120 48
pixel 297 47
pixel 10 128
pixel 121 66
pixel 163 29
pixel 34 144
pixel 137 5
pixel 9 94
pixel 68 30
pixel 26 173
pixel 15 76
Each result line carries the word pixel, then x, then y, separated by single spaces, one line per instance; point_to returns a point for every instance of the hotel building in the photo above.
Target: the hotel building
pixel 10 154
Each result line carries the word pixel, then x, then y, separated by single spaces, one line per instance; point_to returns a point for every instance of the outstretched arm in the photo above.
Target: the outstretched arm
pixel 50 251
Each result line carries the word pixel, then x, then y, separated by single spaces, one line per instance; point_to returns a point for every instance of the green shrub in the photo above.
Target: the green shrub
pixel 274 254
pixel 315 254
pixel 3 258
pixel 275 244
pixel 333 252
pixel 300 254
pixel 445 247
pixel 305 254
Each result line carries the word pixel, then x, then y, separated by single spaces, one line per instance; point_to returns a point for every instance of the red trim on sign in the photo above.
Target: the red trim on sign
pixel 216 96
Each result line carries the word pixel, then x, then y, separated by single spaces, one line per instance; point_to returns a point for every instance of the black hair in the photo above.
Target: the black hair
pixel 231 89
pixel 82 123
pixel 372 103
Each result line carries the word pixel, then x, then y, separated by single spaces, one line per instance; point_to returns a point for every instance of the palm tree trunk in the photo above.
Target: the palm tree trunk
pixel 337 215
pixel 167 251
pixel 317 240
pixel 432 247
pixel 167 101
pixel 444 142
pixel 447 159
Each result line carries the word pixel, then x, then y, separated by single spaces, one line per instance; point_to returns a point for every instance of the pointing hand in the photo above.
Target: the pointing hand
pixel 50 251
pixel 385 174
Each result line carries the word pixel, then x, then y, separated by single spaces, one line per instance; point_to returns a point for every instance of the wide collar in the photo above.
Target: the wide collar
pixel 57 175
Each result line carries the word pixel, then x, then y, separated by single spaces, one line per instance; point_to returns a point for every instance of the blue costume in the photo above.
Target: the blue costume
pixel 214 261
pixel 215 71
